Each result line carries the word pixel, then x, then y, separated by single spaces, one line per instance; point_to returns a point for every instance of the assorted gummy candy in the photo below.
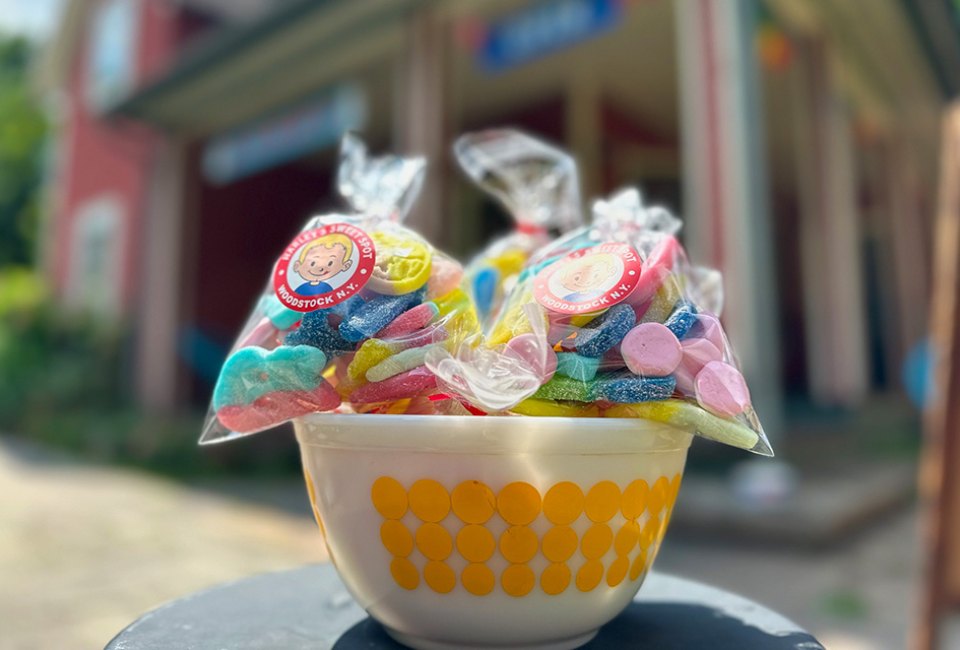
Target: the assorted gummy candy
pixel 363 315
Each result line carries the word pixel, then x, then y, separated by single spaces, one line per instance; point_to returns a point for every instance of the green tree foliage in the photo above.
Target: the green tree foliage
pixel 22 136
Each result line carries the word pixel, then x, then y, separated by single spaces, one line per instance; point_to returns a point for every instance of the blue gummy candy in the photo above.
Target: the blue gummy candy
pixel 281 317
pixel 315 331
pixel 250 373
pixel 682 319
pixel 575 366
pixel 484 289
pixel 376 314
pixel 346 308
pixel 627 388
pixel 604 332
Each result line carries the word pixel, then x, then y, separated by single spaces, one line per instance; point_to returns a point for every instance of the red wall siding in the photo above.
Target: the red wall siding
pixel 109 158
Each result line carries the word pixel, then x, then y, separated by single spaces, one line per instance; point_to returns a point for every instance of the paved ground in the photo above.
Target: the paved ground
pixel 85 549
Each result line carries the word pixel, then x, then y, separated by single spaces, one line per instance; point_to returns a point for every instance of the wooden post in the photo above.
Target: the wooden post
pixel 939 473
pixel 161 305
pixel 422 125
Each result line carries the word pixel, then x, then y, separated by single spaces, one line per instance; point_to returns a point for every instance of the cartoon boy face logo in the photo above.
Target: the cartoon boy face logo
pixel 589 279
pixel 324 266
pixel 321 260
pixel 588 276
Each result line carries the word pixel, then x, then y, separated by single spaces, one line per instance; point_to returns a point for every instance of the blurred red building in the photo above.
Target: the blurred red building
pixel 797 138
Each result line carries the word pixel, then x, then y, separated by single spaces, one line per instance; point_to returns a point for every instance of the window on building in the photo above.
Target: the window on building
pixel 95 257
pixel 111 59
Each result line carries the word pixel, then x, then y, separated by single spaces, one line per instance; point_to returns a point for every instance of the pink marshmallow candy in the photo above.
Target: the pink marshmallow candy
pixel 708 327
pixel 651 350
pixel 721 389
pixel 696 354
pixel 536 355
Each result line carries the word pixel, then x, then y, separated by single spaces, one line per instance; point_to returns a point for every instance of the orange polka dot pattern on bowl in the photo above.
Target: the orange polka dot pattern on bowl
pixel 626 526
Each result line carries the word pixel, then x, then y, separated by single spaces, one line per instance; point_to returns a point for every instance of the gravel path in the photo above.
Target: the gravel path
pixel 84 549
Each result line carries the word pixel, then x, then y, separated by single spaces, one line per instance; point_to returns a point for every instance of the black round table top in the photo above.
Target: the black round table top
pixel 309 608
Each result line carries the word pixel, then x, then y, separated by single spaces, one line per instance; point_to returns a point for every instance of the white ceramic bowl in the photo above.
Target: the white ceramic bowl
pixel 491 532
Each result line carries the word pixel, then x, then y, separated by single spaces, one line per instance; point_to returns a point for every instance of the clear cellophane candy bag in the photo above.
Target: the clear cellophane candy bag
pixel 354 304
pixel 611 320
pixel 537 184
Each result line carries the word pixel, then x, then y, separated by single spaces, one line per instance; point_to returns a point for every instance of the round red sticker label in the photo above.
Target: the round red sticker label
pixel 323 267
pixel 589 279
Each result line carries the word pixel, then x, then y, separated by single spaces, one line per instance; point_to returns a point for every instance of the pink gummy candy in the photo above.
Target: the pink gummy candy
pixel 279 406
pixel 406 384
pixel 696 354
pixel 656 268
pixel 409 321
pixel 651 350
pixel 445 276
pixel 708 327
pixel 534 353
pixel 722 390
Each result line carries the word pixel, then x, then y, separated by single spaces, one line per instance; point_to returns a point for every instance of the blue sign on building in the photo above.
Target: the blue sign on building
pixel 545 27
pixel 308 127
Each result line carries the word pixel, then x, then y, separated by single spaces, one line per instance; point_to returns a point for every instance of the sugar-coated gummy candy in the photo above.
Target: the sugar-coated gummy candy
pixel 690 417
pixel 603 333
pixel 406 384
pixel 251 373
pixel 374 351
pixel 682 319
pixel 576 366
pixel 376 313
pixel 626 388
pixel 347 307
pixel 315 330
pixel 410 321
pixel 697 353
pixel 651 350
pixel 397 363
pixel 534 353
pixel 549 408
pixel 276 407
pixel 722 390
pixel 370 353
pixel 564 388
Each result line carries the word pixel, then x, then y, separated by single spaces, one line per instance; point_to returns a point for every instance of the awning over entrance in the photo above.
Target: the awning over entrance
pixel 246 71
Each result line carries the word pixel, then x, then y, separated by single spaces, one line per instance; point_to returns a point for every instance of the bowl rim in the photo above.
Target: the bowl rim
pixel 489 434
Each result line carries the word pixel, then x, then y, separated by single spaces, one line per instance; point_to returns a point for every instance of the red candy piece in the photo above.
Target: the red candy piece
pixel 406 384
pixel 656 268
pixel 409 321
pixel 276 407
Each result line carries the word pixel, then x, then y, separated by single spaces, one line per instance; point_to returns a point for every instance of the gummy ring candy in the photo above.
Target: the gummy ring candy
pixel 403 264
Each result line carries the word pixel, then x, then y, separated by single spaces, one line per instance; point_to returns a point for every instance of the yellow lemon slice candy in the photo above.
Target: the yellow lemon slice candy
pixel 403 264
